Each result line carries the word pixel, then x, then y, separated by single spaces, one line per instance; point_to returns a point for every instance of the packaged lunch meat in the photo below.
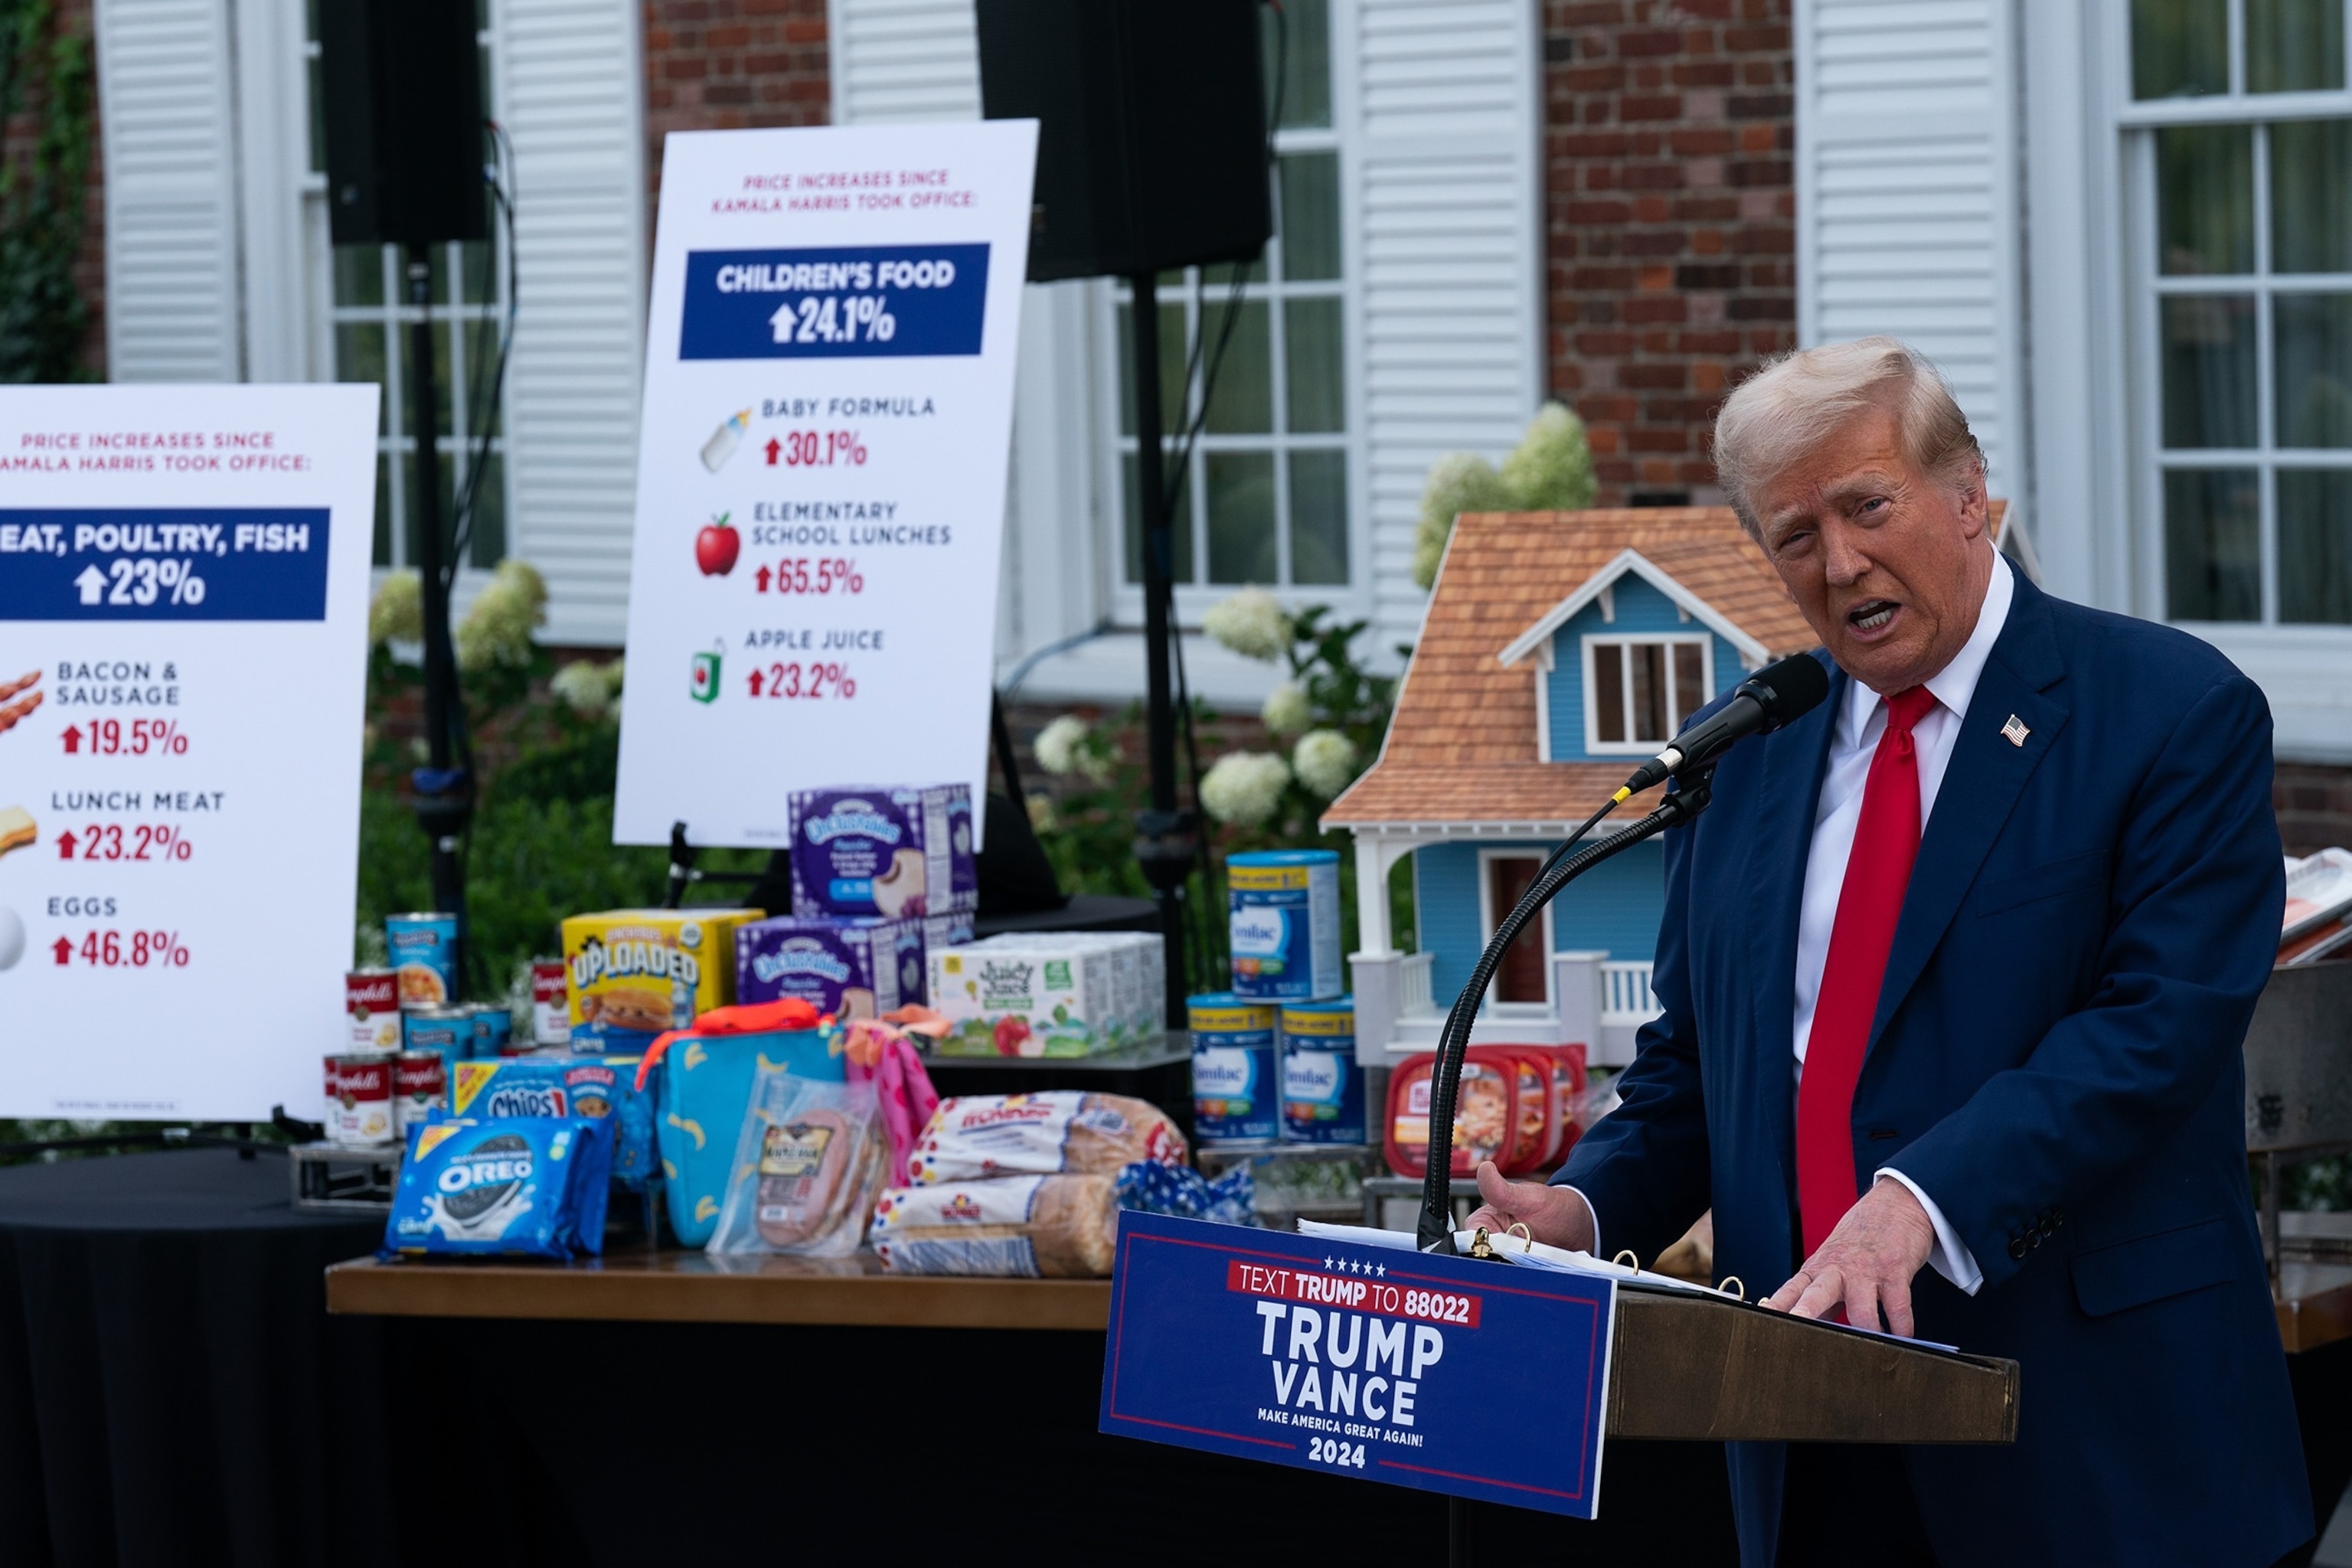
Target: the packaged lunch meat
pixel 975 1136
pixel 1054 1227
pixel 810 1158
pixel 1484 1114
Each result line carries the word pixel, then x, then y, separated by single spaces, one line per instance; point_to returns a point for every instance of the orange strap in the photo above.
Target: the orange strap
pixel 777 1017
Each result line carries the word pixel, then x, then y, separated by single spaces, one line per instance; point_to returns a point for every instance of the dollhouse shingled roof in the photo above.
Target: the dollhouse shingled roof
pixel 1461 747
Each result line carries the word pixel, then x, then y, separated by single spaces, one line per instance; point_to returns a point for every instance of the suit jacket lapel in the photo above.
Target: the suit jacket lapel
pixel 1793 764
pixel 1980 787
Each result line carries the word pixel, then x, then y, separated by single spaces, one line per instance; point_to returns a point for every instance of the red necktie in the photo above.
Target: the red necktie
pixel 1886 842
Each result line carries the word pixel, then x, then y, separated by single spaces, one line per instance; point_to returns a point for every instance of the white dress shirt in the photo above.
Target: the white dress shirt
pixel 1862 720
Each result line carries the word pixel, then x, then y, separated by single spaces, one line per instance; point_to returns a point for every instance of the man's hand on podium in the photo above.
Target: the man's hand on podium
pixel 1557 1216
pixel 1867 1263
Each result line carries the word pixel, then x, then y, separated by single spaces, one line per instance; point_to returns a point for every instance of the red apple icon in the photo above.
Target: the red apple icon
pixel 716 548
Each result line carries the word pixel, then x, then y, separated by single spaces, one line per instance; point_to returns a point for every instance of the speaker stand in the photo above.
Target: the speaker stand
pixel 445 785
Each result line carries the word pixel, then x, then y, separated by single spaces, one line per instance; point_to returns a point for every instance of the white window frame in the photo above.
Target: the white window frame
pixel 1491 1005
pixel 1353 598
pixel 1594 746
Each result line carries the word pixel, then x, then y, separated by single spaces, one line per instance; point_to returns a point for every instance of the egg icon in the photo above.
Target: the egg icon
pixel 12 938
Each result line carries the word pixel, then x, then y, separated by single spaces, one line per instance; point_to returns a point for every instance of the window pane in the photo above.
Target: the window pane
pixel 310 69
pixel 1242 404
pixel 359 356
pixel 1310 216
pixel 359 275
pixel 1181 531
pixel 2212 545
pixel 1649 689
pixel 2311 195
pixel 2314 356
pixel 1690 687
pixel 1240 517
pixel 2294 45
pixel 1172 369
pixel 2205 198
pixel 440 378
pixel 2180 47
pixel 1318 371
pixel 1305 61
pixel 488 545
pixel 2209 370
pixel 1608 692
pixel 1318 518
pixel 2315 545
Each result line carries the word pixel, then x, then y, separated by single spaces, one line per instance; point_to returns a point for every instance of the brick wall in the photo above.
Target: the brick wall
pixel 2315 806
pixel 1670 228
pixel 16 141
pixel 723 65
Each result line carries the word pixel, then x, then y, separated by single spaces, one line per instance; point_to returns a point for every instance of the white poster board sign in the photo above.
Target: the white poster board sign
pixel 821 476
pixel 183 601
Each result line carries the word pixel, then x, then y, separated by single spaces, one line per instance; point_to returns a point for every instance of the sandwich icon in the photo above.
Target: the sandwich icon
pixel 18 830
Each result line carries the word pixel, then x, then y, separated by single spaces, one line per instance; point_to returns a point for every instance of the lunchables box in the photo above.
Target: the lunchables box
pixel 634 973
pixel 704 1094
pixel 883 853
pixel 847 968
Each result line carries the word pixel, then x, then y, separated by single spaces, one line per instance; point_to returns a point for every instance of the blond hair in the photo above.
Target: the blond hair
pixel 1799 400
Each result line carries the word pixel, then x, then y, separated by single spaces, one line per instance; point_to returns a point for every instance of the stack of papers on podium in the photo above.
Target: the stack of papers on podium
pixel 1512 1250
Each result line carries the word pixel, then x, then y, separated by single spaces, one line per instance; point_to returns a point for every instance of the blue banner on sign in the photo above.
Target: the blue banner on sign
pixel 1475 1379
pixel 164 563
pixel 847 302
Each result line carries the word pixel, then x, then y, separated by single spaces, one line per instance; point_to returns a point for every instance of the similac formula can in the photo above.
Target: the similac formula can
pixel 419 1087
pixel 1285 906
pixel 551 1003
pixel 493 1032
pixel 425 956
pixel 371 996
pixel 1235 1082
pixel 1322 1087
pixel 362 1098
pixel 446 1032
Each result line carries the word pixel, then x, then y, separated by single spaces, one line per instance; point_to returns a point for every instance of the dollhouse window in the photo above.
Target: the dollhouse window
pixel 1639 691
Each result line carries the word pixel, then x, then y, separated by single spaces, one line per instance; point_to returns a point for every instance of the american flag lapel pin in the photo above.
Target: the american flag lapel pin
pixel 2015 732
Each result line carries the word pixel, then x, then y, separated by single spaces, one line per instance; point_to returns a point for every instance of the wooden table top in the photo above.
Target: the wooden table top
pixel 681 1287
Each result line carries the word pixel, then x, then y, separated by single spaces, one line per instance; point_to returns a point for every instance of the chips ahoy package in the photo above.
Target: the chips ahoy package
pixel 532 1186
pixel 596 1086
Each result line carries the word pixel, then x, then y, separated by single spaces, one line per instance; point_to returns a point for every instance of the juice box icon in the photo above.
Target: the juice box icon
pixel 706 676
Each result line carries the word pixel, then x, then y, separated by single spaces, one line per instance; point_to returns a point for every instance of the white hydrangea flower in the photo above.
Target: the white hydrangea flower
pixel 1057 744
pixel 398 612
pixel 582 688
pixel 1287 709
pixel 1325 760
pixel 1244 788
pixel 497 629
pixel 1251 624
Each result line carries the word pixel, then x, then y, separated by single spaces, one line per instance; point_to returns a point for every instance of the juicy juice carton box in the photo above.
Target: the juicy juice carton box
pixel 632 973
pixel 883 852
pixel 1138 963
pixel 1039 996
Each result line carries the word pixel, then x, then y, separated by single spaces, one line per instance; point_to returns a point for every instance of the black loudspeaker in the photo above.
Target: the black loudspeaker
pixel 402 89
pixel 1151 144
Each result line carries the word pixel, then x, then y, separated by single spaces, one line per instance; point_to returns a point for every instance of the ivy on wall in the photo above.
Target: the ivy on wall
pixel 45 77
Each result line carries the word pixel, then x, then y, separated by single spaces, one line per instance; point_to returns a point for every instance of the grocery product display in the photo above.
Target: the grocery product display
pixel 1236 1083
pixel 634 973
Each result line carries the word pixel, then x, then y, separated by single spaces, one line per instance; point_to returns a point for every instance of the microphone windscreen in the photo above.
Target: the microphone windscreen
pixel 1797 684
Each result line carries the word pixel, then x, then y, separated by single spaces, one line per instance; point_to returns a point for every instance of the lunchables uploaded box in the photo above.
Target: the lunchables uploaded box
pixel 632 974
pixel 845 968
pixel 1042 997
pixel 883 853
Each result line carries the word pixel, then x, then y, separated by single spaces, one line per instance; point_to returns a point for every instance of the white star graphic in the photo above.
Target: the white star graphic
pixel 1381 1269
pixel 1327 1263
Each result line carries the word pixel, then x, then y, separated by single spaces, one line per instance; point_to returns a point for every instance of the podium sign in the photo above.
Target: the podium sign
pixel 1475 1379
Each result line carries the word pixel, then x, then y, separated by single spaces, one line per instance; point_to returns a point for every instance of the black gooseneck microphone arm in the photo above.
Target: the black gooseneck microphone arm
pixel 1436 1229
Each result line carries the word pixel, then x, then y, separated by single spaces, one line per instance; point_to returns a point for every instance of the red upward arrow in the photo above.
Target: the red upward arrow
pixel 755 683
pixel 762 575
pixel 66 844
pixel 73 739
pixel 64 950
pixel 774 447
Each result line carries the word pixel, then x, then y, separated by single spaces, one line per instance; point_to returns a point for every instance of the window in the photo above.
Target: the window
pixel 1639 690
pixel 2246 265
pixel 1265 497
pixel 1523 979
pixel 365 338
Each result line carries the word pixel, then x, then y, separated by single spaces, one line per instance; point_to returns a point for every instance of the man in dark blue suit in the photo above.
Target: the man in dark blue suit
pixel 1955 974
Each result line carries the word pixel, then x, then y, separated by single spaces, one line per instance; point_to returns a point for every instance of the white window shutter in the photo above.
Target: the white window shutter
pixel 572 90
pixel 902 61
pixel 1908 210
pixel 1440 111
pixel 167 120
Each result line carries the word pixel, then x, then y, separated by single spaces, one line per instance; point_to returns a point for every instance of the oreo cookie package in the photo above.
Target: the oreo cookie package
pixel 528 1185
pixel 600 1087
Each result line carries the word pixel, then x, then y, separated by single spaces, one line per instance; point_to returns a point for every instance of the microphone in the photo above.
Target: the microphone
pixel 1775 694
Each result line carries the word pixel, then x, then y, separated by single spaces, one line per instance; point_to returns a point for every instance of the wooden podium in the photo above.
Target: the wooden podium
pixel 1683 1365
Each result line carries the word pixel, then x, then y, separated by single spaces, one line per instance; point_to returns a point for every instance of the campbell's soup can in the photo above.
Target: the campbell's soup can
pixel 332 1098
pixel 420 1086
pixel 446 1032
pixel 550 1002
pixel 371 997
pixel 493 1032
pixel 362 1098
